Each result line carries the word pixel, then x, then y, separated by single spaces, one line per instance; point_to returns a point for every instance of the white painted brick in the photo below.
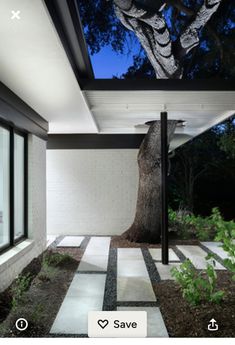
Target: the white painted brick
pixel 91 191
pixel 36 212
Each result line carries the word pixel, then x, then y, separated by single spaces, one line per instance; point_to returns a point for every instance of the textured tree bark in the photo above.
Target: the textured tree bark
pixel 150 27
pixel 147 223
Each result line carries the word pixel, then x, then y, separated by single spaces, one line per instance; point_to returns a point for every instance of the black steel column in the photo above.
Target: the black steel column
pixel 164 201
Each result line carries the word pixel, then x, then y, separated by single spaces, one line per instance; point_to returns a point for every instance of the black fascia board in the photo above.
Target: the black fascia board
pixel 66 19
pixel 157 85
pixel 16 112
pixel 94 141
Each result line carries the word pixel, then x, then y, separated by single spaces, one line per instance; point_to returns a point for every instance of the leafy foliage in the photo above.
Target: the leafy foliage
pixel 102 28
pixel 213 58
pixel 56 259
pixel 21 285
pixel 227 140
pixel 226 235
pixel 203 228
pixel 202 173
pixel 197 287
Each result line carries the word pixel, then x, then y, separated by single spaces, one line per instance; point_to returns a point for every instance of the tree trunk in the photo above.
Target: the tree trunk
pixel 150 27
pixel 147 223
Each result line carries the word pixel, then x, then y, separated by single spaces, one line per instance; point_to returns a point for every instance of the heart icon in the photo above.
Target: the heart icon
pixel 103 323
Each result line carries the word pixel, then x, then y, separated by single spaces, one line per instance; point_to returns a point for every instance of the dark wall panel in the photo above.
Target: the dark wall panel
pixel 94 141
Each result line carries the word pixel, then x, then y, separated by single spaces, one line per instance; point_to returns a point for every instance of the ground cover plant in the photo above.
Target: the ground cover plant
pixel 187 225
pixel 226 235
pixel 37 296
pixel 197 286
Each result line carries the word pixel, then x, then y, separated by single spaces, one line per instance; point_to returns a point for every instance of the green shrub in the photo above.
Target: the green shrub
pixel 56 259
pixel 18 290
pixel 197 287
pixel 203 228
pixel 179 222
pixel 226 235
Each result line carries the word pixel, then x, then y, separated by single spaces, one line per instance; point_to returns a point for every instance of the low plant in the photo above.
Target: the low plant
pixel 197 286
pixel 18 290
pixel 37 312
pixel 56 259
pixel 226 235
pixel 47 272
pixel 203 228
pixel 179 222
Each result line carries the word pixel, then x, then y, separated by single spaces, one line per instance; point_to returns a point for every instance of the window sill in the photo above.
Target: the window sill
pixel 14 253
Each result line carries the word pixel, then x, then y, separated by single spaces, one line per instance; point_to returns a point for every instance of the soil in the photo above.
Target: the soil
pixel 183 320
pixel 6 296
pixel 41 303
pixel 120 242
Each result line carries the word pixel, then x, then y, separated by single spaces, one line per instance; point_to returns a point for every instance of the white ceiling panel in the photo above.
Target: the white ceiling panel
pixel 127 111
pixel 33 64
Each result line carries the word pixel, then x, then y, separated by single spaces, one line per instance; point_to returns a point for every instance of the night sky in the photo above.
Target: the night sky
pixel 108 63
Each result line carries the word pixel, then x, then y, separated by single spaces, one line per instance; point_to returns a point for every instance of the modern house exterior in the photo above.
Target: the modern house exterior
pixel 68 141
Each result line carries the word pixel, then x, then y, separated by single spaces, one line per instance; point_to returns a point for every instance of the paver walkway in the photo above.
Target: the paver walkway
pixel 198 257
pixel 96 254
pixel 215 247
pixel 121 279
pixel 71 241
pixel 133 282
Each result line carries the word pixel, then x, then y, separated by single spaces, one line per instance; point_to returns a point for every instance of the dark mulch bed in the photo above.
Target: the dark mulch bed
pixel 6 296
pixel 119 242
pixel 75 253
pixel 44 297
pixel 182 320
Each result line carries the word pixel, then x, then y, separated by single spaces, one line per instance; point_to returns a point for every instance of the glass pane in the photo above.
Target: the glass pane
pixel 19 185
pixel 4 187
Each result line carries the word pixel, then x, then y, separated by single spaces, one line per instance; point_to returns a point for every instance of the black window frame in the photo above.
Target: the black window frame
pixel 12 131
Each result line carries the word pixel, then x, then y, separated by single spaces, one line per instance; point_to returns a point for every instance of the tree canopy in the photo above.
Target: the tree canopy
pixel 214 57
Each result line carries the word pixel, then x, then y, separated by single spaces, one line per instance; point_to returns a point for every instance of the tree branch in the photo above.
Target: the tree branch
pixel 190 36
pixel 154 36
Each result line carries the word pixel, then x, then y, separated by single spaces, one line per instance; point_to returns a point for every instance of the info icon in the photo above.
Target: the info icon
pixel 21 324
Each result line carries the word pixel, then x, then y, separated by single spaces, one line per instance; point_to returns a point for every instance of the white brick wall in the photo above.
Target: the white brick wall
pixel 12 265
pixel 91 191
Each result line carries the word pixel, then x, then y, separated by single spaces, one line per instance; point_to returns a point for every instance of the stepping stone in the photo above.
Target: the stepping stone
pixel 133 283
pixel 50 240
pixel 96 254
pixel 98 246
pixel 156 326
pixel 71 241
pixel 216 248
pixel 134 289
pixel 132 268
pixel 85 294
pixel 93 263
pixel 130 253
pixel 165 270
pixel 156 254
pixel 198 257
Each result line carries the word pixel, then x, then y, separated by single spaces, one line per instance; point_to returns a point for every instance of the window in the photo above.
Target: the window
pixel 4 187
pixel 19 164
pixel 13 158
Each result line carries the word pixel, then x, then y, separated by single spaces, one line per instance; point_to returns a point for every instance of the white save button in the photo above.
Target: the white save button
pixel 117 324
